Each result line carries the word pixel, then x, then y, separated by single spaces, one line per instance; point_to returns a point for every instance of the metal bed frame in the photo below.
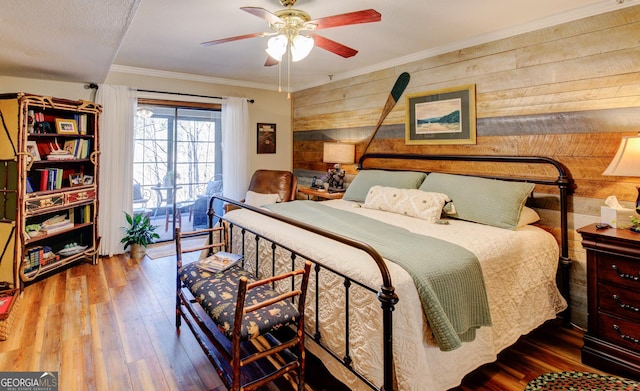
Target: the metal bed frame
pixel 386 293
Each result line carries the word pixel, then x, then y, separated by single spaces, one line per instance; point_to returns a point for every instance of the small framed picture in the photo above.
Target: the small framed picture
pixel 266 138
pixel 76 179
pixel 66 126
pixel 87 180
pixel 32 149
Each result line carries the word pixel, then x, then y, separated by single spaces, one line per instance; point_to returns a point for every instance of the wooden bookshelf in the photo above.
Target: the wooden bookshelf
pixel 50 151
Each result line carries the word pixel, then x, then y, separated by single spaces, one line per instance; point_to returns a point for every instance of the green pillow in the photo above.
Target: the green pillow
pixel 481 200
pixel 359 187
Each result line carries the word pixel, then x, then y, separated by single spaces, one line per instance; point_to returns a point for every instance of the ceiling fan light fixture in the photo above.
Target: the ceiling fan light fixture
pixel 144 112
pixel 277 47
pixel 301 47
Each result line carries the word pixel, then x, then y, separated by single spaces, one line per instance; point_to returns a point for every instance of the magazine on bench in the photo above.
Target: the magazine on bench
pixel 219 261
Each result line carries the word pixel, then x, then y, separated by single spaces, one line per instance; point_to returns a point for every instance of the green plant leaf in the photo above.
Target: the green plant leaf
pixel 140 230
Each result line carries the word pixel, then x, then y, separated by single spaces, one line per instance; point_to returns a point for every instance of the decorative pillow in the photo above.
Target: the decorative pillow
pixel 527 216
pixel 359 187
pixel 410 202
pixel 481 200
pixel 259 199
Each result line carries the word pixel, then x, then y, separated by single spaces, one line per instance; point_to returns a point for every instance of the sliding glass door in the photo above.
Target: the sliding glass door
pixel 177 165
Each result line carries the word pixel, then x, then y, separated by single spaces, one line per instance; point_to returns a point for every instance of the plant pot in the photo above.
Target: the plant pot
pixel 137 251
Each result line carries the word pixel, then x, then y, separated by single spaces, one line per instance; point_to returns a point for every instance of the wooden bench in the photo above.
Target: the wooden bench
pixel 250 331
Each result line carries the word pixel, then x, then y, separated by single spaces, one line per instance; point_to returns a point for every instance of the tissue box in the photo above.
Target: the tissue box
pixel 617 218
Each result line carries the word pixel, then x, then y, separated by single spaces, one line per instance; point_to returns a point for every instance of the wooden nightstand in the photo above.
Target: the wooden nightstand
pixel 612 341
pixel 319 193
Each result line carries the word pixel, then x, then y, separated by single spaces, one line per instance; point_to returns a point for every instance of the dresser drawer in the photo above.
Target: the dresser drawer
pixel 619 270
pixel 620 332
pixel 619 301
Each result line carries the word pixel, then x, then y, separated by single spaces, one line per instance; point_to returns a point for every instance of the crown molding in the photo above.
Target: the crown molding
pixel 189 77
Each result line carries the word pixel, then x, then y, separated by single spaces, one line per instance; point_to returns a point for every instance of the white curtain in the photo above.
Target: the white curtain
pixel 235 144
pixel 116 162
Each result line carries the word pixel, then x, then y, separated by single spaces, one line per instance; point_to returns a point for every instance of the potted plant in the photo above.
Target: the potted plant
pixel 635 222
pixel 139 234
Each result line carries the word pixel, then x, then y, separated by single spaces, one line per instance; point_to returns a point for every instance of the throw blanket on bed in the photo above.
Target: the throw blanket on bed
pixel 448 277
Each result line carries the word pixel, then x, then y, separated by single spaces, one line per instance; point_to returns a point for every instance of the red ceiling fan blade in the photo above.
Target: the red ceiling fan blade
pixel 263 13
pixel 364 16
pixel 270 62
pixel 333 46
pixel 230 39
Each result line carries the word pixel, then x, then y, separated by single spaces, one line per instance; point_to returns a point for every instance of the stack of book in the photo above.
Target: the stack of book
pixel 32 260
pixel 56 223
pixel 39 256
pixel 63 155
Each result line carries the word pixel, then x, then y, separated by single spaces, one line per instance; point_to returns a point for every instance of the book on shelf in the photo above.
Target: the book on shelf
pixel 56 223
pixel 84 149
pixel 34 254
pixel 58 184
pixel 219 261
pixel 43 148
pixel 58 227
pixel 49 178
pixel 86 216
pixel 43 174
pixel 49 259
pixel 29 188
pixel 59 156
pixel 81 120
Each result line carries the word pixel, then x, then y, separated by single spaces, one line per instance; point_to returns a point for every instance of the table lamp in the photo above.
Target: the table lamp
pixel 337 153
pixel 626 161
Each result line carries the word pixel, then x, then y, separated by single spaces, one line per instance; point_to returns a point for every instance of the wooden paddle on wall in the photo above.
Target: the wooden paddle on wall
pixel 396 92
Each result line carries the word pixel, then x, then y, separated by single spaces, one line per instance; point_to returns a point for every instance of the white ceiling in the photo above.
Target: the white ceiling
pixel 81 40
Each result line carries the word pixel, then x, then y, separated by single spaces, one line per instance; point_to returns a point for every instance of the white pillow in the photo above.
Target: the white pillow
pixel 527 216
pixel 259 199
pixel 410 202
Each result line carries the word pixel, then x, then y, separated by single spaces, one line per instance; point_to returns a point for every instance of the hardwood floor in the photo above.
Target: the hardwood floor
pixel 111 327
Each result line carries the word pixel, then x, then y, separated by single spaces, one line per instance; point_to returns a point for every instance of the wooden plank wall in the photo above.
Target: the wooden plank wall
pixel 569 92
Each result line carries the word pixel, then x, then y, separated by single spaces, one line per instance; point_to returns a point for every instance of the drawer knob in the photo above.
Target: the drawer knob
pixel 625 275
pixel 625 336
pixel 625 306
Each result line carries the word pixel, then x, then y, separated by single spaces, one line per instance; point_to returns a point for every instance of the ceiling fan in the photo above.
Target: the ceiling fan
pixel 294 28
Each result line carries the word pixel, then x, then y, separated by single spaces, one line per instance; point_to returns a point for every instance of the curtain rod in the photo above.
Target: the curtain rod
pixel 95 86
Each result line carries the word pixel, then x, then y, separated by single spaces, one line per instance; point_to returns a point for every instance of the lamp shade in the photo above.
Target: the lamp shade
pixel 626 161
pixel 338 153
pixel 144 112
pixel 301 47
pixel 276 47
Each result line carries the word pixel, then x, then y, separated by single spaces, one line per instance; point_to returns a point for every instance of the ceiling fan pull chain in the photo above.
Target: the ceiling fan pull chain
pixel 289 74
pixel 279 76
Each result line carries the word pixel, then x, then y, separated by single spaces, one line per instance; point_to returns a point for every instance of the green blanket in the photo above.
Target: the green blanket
pixel 448 277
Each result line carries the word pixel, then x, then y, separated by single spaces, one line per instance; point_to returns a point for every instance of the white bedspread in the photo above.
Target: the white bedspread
pixel 519 268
